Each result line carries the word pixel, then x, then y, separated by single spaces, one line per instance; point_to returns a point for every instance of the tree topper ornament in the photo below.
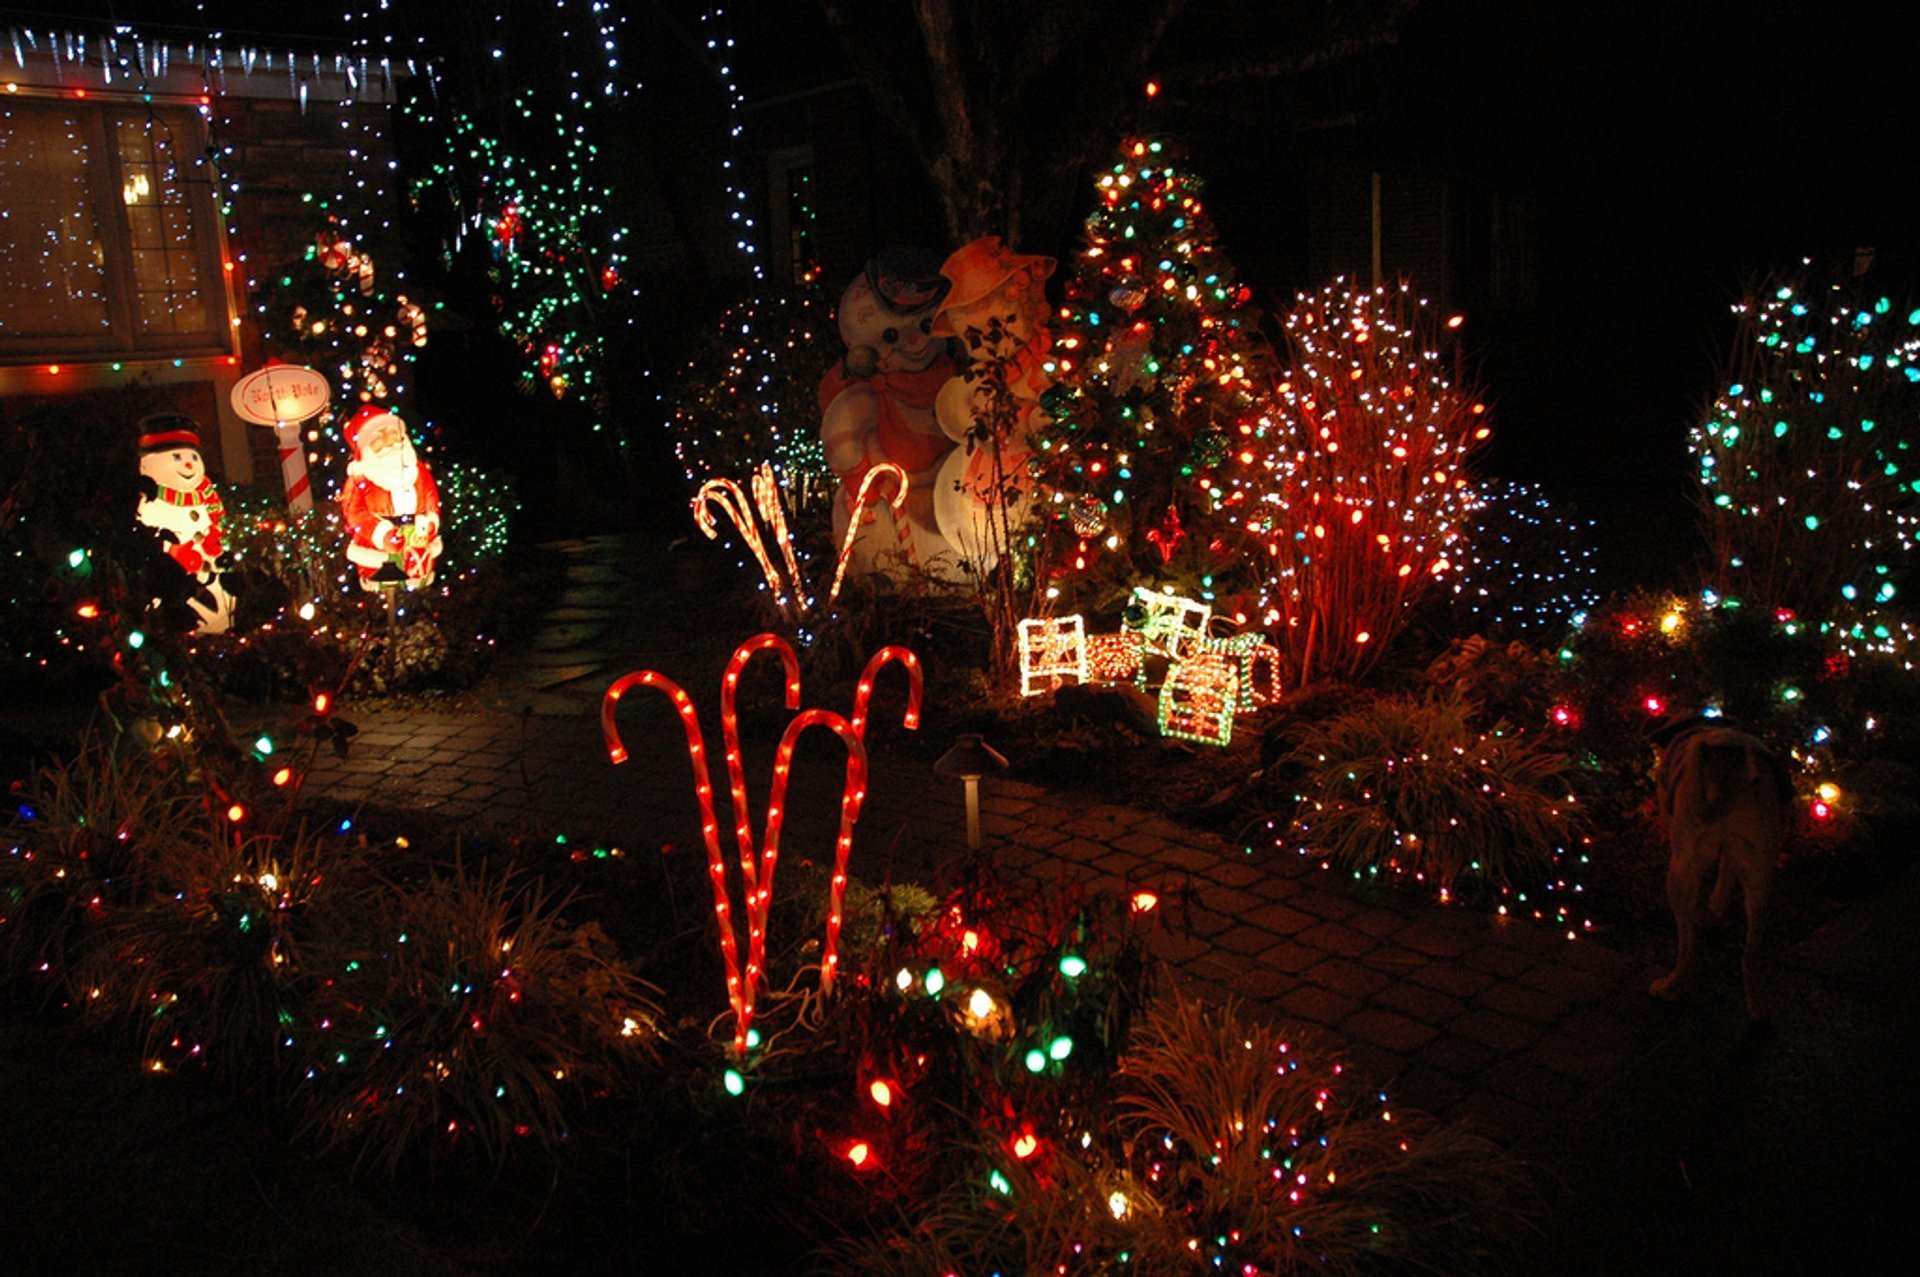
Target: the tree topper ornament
pixel 390 503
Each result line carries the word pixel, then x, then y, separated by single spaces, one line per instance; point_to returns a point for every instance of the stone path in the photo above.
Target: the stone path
pixel 1459 1013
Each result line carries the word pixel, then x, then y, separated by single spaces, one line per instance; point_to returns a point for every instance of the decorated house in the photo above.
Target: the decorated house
pixel 155 191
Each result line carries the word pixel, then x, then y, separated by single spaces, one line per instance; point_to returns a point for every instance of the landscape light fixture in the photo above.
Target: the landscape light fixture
pixel 970 759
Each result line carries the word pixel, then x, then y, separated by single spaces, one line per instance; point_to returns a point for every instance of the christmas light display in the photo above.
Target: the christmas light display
pixel 865 496
pixel 766 500
pixel 749 392
pixel 1523 566
pixel 1807 496
pixel 1251 654
pixel 1113 658
pixel 732 500
pixel 758 864
pixel 1361 501
pixel 1052 649
pixel 1198 698
pixel 1155 380
pixel 1168 625
pixel 528 195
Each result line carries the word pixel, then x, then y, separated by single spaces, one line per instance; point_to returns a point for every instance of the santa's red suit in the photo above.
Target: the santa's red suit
pixel 387 525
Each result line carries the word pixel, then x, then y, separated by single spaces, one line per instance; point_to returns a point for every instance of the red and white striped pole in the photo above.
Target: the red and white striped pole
pixel 282 396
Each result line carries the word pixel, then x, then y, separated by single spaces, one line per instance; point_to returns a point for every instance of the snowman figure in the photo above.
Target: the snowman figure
pixel 998 305
pixel 390 503
pixel 179 502
pixel 877 405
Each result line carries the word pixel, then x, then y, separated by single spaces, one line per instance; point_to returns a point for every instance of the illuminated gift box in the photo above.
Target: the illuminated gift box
pixel 1198 698
pixel 1051 649
pixel 1251 654
pixel 1113 658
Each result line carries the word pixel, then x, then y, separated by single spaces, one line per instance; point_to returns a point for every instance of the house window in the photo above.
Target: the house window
pixel 109 232
pixel 790 173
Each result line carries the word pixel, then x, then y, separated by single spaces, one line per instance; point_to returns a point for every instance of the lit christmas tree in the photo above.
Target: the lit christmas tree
pixel 1154 390
pixel 1807 497
pixel 1360 495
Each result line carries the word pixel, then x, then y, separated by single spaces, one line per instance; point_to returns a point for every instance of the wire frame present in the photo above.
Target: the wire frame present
pixel 1169 623
pixel 1052 648
pixel 1252 655
pixel 1113 658
pixel 1197 700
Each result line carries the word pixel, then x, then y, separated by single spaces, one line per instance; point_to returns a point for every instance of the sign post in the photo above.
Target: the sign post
pixel 282 396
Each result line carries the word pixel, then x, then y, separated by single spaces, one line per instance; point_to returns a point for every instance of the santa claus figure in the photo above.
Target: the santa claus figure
pixel 390 503
pixel 179 502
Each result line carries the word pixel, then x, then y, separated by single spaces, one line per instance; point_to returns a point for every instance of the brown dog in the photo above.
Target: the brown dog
pixel 1727 802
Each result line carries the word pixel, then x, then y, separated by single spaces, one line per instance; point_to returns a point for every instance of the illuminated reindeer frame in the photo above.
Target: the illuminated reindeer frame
pixel 757 863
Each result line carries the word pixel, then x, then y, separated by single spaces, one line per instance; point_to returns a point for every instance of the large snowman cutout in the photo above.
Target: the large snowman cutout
pixel 997 306
pixel 182 506
pixel 877 406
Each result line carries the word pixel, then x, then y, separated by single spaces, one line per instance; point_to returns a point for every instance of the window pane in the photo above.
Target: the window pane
pixel 171 294
pixel 56 271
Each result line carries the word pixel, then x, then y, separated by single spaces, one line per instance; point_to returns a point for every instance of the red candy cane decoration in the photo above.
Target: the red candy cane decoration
pixel 727 494
pixel 739 995
pixel 862 695
pixel 736 767
pixel 766 496
pixel 757 872
pixel 852 794
pixel 860 499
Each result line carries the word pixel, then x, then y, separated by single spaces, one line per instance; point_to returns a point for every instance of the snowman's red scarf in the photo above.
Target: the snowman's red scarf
pixel 200 494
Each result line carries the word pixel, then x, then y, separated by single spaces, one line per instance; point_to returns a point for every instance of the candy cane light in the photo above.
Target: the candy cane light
pixel 757 866
pixel 861 499
pixel 729 496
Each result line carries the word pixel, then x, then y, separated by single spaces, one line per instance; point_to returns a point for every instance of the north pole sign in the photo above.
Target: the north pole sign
pixel 280 394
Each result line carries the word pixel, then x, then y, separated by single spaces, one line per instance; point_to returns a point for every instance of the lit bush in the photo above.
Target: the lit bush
pixel 1224 1150
pixel 466 1020
pixel 1808 497
pixel 1409 785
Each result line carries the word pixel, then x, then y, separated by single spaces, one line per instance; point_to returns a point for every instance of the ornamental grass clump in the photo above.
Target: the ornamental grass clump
pixel 1219 1148
pixel 467 1020
pixel 1409 785
pixel 205 968
pixel 85 834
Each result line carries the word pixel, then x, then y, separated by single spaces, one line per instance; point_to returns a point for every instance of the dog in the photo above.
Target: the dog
pixel 1727 802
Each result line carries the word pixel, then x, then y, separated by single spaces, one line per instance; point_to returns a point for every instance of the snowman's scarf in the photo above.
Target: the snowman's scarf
pixel 201 494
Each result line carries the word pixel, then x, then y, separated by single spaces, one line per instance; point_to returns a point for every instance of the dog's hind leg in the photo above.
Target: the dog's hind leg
pixel 1756 887
pixel 1684 883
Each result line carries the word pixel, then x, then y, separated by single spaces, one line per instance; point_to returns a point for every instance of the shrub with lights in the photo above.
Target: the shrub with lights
pixel 1220 1146
pixel 1808 499
pixel 465 1017
pixel 1359 502
pixel 750 393
pixel 1522 566
pixel 1413 787
pixel 1155 369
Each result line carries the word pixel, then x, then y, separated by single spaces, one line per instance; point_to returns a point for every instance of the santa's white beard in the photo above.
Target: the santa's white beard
pixel 400 481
